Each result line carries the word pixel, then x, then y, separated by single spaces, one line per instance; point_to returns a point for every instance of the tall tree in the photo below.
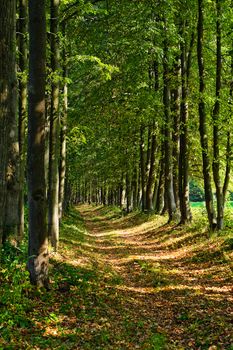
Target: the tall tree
pixel 8 93
pixel 203 123
pixel 62 164
pixel 185 59
pixel 216 122
pixel 152 170
pixel 169 190
pixel 38 234
pixel 22 45
pixel 175 113
pixel 53 193
pixel 11 207
pixel 142 166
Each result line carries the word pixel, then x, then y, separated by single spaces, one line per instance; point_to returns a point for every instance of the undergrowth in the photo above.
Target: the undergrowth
pixel 84 308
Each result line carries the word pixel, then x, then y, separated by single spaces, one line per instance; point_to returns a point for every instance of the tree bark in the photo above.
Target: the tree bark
pixel 135 187
pixel 229 136
pixel 128 183
pixel 151 176
pixel 8 94
pixel 228 167
pixel 175 99
pixel 216 112
pixel 12 171
pixel 53 213
pixel 160 196
pixel 203 123
pixel 22 44
pixel 38 234
pixel 142 167
pixel 168 135
pixel 62 166
pixel 185 211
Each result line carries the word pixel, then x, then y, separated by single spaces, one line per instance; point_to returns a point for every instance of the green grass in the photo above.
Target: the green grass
pixel 229 204
pixel 197 204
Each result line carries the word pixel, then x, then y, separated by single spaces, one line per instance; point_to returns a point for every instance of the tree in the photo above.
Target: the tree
pixel 53 192
pixel 203 123
pixel 216 112
pixel 169 190
pixel 38 234
pixel 22 107
pixel 63 129
pixel 8 95
pixel 185 60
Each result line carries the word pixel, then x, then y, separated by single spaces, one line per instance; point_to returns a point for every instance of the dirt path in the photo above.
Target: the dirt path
pixel 175 284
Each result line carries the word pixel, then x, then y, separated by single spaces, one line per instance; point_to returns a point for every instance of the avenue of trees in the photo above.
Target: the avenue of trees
pixel 115 103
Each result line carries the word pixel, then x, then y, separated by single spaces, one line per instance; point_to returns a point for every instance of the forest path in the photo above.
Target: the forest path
pixel 174 283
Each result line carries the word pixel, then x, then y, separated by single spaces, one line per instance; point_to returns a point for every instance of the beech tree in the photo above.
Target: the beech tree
pixel 203 123
pixel 22 106
pixel 38 232
pixel 53 190
pixel 8 96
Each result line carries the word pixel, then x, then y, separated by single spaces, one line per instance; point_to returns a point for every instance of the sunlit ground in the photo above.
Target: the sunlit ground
pixel 129 282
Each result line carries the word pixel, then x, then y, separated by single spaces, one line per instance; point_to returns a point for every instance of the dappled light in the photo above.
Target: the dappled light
pixel 119 286
pixel 116 194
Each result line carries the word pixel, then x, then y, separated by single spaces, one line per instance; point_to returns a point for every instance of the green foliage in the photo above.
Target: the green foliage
pixel 196 193
pixel 14 289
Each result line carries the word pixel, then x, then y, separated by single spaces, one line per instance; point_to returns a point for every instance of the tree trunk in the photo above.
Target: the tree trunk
pixel 229 145
pixel 151 177
pixel 53 214
pixel 38 234
pixel 175 98
pixel 135 187
pixel 8 93
pixel 203 123
pixel 22 44
pixel 142 167
pixel 168 136
pixel 228 166
pixel 62 166
pixel 159 200
pixel 185 210
pixel 148 158
pixel 12 172
pixel 120 191
pixel 128 192
pixel 216 112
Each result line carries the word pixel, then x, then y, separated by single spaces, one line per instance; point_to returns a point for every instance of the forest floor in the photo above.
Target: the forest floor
pixel 126 282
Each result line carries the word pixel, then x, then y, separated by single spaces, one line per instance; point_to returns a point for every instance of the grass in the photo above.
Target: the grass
pixel 229 204
pixel 122 282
